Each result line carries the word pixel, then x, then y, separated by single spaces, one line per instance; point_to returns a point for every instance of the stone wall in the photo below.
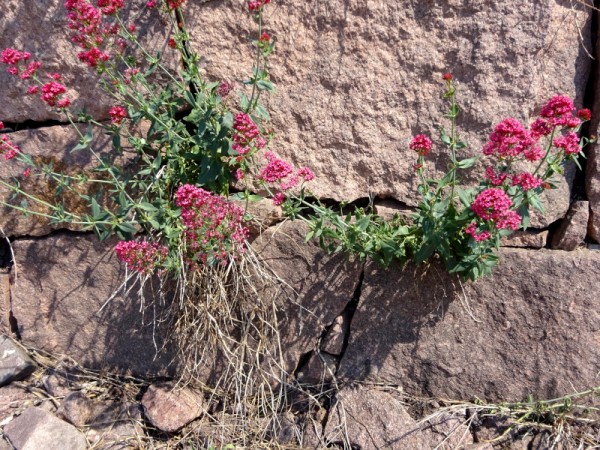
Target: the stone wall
pixel 355 80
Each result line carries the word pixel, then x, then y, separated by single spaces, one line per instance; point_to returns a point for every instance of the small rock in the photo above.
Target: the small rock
pixel 116 426
pixel 38 429
pixel 13 400
pixel 320 369
pixel 527 239
pixel 56 386
pixel 15 364
pixel 573 227
pixel 76 408
pixel 169 408
pixel 333 342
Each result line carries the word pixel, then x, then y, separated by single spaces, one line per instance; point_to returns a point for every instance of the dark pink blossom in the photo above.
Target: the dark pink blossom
pixel 306 173
pixel 534 153
pixel 117 114
pixel 8 149
pixel 213 230
pixel 568 142
pixel 509 139
pixel 526 181
pixel 509 220
pixel 420 144
pixel 141 256
pixel 275 170
pixel 225 87
pixel 471 230
pixel 495 179
pixel 558 110
pixel 540 127
pixel 491 204
pixel 51 92
pixel 584 114
pixel 278 199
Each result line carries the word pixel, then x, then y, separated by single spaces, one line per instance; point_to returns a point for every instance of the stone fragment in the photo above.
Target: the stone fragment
pixel 322 287
pixel 573 227
pixel 333 342
pixel 169 408
pixel 14 400
pixel 55 385
pixel 76 409
pixel 64 281
pixel 116 426
pixel 38 429
pixel 526 239
pixel 264 214
pixel 529 329
pixel 373 419
pixel 319 369
pixel 15 364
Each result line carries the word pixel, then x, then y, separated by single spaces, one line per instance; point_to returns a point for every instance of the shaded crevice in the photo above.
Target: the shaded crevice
pixel 53 233
pixel 349 312
pixel 32 125
pixel 591 90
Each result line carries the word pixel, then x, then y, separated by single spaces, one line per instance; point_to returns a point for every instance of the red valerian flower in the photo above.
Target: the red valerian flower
pixel 447 77
pixel 117 114
pixel 491 204
pixel 420 144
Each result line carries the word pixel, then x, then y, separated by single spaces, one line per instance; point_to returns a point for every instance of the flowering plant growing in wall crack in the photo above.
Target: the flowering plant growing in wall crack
pixel 191 142
pixel 464 226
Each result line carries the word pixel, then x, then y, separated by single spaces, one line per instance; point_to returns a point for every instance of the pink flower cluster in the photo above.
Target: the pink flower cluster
pixel 246 134
pixel 509 139
pixel 569 143
pixel 117 114
pixel 90 29
pixel 471 229
pixel 256 5
pixel 225 87
pixel 8 149
pixel 420 144
pixel 213 226
pixel 279 171
pixel 141 256
pixel 494 204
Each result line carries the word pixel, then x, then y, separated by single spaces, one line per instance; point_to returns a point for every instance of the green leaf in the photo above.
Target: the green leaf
pixel 190 98
pixel 147 206
pixel 464 196
pixel 444 137
pixel 265 85
pixel 466 163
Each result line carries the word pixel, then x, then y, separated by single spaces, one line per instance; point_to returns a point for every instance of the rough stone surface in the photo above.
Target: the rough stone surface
pixel 323 286
pixel 355 80
pixel 64 280
pixel 333 342
pixel 15 364
pixel 346 102
pixel 76 408
pixel 170 408
pixel 14 400
pixel 116 426
pixel 36 429
pixel 505 337
pixel 573 227
pixel 375 419
pixel 50 145
pixel 527 239
pixel 30 26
